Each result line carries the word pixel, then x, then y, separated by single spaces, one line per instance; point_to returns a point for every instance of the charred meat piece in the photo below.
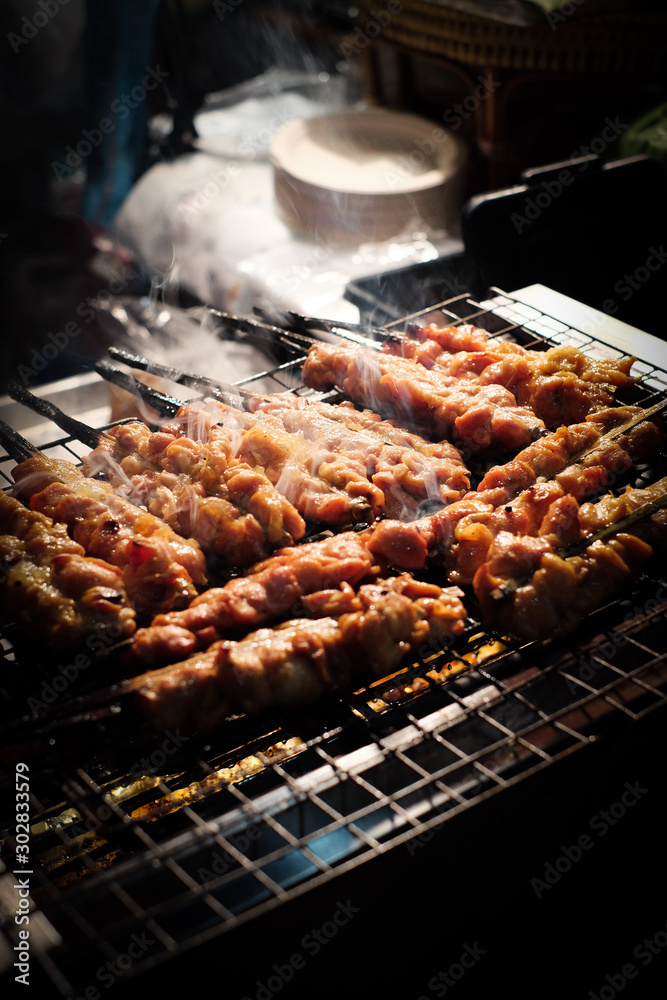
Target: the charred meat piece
pixel 560 385
pixel 293 664
pixel 325 487
pixel 478 418
pixel 558 593
pixel 49 584
pixel 266 593
pixel 160 569
pixel 199 489
pixel 409 471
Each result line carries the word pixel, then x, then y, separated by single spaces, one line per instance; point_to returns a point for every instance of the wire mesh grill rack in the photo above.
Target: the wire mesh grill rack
pixel 141 853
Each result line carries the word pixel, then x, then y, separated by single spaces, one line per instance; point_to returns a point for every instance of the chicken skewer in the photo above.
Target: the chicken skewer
pixel 269 591
pixel 529 590
pixel 161 570
pixel 294 664
pixel 291 665
pixel 560 385
pixel 460 534
pixel 200 491
pixel 601 441
pixel 578 539
pixel 299 470
pixel 409 470
pixel 334 468
pixel 593 441
pixel 478 418
pixel 48 583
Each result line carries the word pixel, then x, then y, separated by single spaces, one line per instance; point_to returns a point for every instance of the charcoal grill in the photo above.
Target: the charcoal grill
pixel 157 858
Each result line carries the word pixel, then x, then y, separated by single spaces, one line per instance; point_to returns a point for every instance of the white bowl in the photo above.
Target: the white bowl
pixel 367 175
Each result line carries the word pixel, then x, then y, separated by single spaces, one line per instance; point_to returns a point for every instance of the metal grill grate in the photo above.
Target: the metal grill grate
pixel 185 840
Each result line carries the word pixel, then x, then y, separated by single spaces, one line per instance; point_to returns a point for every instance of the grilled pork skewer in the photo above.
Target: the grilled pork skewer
pixel 294 664
pixel 266 593
pixel 334 470
pixel 543 511
pixel 560 385
pixel 604 441
pixel 537 588
pixel 202 492
pixel 395 479
pixel 159 568
pixel 288 666
pixel 48 583
pixel 559 592
pixel 299 469
pixel 409 470
pixel 594 443
pixel 479 418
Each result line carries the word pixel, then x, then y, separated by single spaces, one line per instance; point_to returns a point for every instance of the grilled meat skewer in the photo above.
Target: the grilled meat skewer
pixel 160 569
pixel 409 545
pixel 408 470
pixel 560 385
pixel 201 492
pixel 478 418
pixel 295 663
pixel 199 489
pixel 559 592
pixel 543 511
pixel 298 469
pixel 49 584
pixel 266 593
pixel 539 587
pixel 373 630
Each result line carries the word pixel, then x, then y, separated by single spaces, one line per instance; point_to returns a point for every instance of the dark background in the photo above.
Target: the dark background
pixel 53 255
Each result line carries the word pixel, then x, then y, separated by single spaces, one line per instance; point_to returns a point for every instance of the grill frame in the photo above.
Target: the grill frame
pixel 377 730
